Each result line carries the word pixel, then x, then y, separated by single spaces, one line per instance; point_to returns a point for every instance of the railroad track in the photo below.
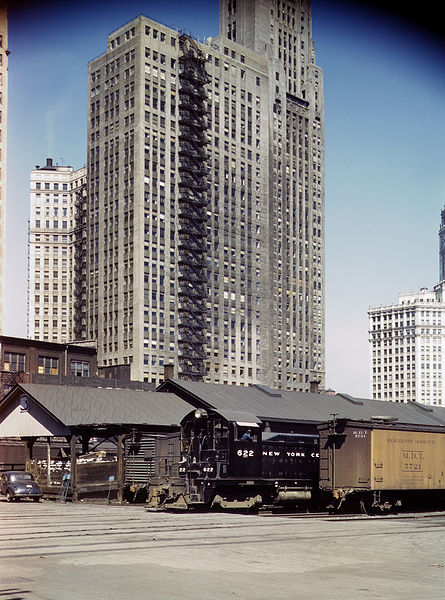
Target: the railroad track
pixel 348 516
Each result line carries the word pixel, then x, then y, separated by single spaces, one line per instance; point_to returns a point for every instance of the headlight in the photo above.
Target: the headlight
pixel 200 412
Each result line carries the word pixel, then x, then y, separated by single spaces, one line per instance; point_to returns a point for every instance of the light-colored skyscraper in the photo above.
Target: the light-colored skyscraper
pixel 259 181
pixel 4 52
pixel 53 227
pixel 407 348
pixel 407 343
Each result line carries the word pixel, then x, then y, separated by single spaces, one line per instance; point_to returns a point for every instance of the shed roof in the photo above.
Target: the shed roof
pixel 438 411
pixel 282 405
pixel 75 406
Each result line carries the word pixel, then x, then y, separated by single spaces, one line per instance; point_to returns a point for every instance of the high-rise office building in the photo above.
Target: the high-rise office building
pixel 442 246
pixel 4 52
pixel 407 348
pixel 407 343
pixel 54 234
pixel 206 199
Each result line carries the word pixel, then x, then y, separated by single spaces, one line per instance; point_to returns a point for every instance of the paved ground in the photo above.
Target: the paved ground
pixel 53 551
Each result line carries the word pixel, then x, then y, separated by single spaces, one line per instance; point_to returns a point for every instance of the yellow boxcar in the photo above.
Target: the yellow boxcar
pixel 382 465
pixel 407 460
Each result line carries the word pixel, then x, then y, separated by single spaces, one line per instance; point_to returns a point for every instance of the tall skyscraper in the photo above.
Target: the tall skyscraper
pixel 205 240
pixel 55 194
pixel 442 246
pixel 4 52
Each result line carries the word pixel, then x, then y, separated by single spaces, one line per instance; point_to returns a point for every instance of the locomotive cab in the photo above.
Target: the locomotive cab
pixel 220 444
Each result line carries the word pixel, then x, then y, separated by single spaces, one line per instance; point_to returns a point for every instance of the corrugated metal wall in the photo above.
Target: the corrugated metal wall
pixel 140 449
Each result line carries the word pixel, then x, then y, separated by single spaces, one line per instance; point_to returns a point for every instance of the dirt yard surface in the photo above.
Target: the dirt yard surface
pixel 54 551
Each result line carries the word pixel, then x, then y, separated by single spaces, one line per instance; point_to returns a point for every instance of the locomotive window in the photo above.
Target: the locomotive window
pixel 245 434
pixel 221 434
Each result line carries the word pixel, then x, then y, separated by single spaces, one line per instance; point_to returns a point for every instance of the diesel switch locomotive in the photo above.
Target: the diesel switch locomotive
pixel 226 460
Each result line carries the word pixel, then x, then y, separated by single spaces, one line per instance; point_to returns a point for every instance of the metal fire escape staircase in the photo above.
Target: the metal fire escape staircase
pixel 192 277
pixel 79 278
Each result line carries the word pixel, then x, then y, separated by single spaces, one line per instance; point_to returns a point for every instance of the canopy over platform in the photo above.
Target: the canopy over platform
pixel 34 410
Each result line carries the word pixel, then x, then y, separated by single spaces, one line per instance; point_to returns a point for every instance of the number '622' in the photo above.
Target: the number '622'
pixel 245 453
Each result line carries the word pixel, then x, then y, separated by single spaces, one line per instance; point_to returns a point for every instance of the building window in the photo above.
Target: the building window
pixel 48 365
pixel 80 368
pixel 13 361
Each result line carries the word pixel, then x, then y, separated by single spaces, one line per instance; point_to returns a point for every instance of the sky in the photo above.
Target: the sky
pixel 384 81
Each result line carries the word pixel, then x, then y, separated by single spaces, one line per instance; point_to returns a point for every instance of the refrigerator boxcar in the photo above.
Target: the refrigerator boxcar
pixel 382 465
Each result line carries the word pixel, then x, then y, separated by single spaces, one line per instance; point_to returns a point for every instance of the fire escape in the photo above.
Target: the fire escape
pixel 8 379
pixel 79 281
pixel 192 277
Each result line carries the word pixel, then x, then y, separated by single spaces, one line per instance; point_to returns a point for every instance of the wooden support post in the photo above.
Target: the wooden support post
pixel 29 443
pixel 48 461
pixel 73 480
pixel 85 443
pixel 120 468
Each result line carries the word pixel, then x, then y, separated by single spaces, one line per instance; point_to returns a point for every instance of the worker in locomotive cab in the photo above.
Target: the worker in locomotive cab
pixel 247 436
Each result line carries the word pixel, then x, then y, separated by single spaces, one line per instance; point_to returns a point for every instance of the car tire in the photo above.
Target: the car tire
pixel 36 499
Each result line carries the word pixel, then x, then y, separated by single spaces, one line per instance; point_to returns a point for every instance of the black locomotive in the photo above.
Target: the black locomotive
pixel 227 459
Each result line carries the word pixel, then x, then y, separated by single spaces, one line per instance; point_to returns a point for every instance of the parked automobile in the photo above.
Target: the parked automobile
pixel 19 484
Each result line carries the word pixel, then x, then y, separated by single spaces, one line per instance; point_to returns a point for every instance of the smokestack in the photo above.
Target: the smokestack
pixel 314 386
pixel 169 371
pixel 49 162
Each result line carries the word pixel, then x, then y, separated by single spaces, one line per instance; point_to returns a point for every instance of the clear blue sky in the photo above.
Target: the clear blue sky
pixel 385 146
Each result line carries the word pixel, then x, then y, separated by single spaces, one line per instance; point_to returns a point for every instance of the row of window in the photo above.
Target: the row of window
pixel 55 186
pixel 51 224
pixel 48 365
pixel 51 238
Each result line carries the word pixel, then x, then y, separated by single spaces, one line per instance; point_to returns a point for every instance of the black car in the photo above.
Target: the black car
pixel 19 484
